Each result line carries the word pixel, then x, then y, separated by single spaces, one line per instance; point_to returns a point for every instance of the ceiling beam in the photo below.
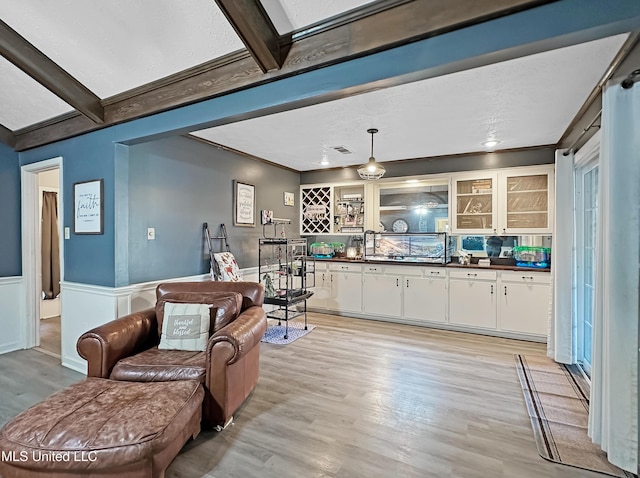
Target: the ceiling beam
pixel 323 45
pixel 7 137
pixel 255 29
pixel 42 69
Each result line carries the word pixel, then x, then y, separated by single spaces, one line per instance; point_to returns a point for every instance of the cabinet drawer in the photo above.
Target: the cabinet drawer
pixel 433 272
pixel 403 270
pixel 344 267
pixel 472 274
pixel 373 269
pixel 525 277
pixel 321 266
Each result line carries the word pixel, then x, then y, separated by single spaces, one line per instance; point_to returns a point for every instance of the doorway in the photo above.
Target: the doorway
pixel 43 268
pixel 49 292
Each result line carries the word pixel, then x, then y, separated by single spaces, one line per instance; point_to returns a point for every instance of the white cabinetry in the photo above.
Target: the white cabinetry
pixel 381 293
pixel 345 281
pixel 474 203
pixel 472 298
pixel 523 302
pixel 333 209
pixel 507 202
pixel 322 289
pixel 426 298
pixel 504 303
pixel 525 201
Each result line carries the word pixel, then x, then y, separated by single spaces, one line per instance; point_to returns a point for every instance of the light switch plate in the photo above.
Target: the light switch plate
pixel 151 234
pixel 67 233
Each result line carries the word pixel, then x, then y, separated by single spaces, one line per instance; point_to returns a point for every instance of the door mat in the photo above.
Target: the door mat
pixel 557 398
pixel 275 333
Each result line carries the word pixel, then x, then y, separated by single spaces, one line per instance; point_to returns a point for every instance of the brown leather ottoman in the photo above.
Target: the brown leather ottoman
pixel 102 427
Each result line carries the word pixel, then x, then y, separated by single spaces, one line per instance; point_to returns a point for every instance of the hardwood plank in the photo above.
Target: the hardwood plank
pixel 356 398
pixel 49 74
pixel 250 21
pixel 50 339
pixel 388 27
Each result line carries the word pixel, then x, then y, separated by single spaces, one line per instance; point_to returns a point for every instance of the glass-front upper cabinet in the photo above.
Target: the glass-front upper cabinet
pixel 526 201
pixel 475 200
pixel 413 206
pixel 506 202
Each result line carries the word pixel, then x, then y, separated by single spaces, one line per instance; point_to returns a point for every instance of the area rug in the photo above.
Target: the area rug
pixel 557 398
pixel 275 333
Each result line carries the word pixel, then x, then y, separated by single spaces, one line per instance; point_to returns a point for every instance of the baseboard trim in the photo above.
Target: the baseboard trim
pixel 436 325
pixel 10 347
pixel 75 364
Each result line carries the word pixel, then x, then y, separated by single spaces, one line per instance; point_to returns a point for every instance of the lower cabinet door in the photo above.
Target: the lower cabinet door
pixel 321 291
pixel 473 303
pixel 346 292
pixel 425 298
pixel 382 295
pixel 523 308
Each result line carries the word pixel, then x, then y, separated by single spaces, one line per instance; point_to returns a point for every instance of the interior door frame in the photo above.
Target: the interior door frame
pixel 31 260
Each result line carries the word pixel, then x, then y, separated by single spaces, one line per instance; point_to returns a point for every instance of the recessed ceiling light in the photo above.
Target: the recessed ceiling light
pixel 324 162
pixel 490 143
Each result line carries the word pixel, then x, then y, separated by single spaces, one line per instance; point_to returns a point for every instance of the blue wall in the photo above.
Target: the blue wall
pixel 87 258
pixel 177 184
pixel 10 238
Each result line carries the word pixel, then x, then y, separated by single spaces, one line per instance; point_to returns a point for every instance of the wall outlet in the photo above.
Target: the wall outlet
pixel 151 234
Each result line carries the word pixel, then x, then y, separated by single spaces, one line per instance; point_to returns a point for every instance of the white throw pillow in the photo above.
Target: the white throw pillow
pixel 228 267
pixel 185 327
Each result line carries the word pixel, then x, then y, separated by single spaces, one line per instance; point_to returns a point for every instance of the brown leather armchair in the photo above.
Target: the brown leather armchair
pixel 126 348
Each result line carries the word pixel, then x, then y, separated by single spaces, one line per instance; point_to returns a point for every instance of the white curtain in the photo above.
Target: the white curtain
pixel 613 415
pixel 562 337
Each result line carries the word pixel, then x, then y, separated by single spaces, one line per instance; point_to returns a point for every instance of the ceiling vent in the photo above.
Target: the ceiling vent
pixel 341 149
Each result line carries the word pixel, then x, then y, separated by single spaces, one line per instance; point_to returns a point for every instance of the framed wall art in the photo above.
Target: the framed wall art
pixel 289 199
pixel 244 204
pixel 88 207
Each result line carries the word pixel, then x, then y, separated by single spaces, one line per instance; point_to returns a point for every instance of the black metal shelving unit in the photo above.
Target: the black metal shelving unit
pixel 287 274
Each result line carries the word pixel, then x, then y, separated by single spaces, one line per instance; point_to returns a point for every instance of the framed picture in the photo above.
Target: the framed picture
pixel 266 217
pixel 289 199
pixel 88 207
pixel 244 204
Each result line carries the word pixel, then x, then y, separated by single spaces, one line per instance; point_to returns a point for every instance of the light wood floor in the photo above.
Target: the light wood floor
pixel 50 340
pixel 355 398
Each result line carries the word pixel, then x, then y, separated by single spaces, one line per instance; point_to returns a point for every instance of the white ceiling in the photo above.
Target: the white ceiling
pixel 23 101
pixel 116 45
pixel 528 101
pixel 113 46
pixel 290 15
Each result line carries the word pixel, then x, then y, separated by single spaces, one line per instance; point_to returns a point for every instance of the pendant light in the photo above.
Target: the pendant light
pixel 371 170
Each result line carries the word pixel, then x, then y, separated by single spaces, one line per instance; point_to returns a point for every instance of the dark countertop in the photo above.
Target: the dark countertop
pixel 504 266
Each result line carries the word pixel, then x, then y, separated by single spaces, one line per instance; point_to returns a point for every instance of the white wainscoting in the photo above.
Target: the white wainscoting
pixel 11 311
pixel 87 306
pixel 84 307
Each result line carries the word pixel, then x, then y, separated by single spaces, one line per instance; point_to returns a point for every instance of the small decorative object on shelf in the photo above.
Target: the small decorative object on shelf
pixel 287 274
